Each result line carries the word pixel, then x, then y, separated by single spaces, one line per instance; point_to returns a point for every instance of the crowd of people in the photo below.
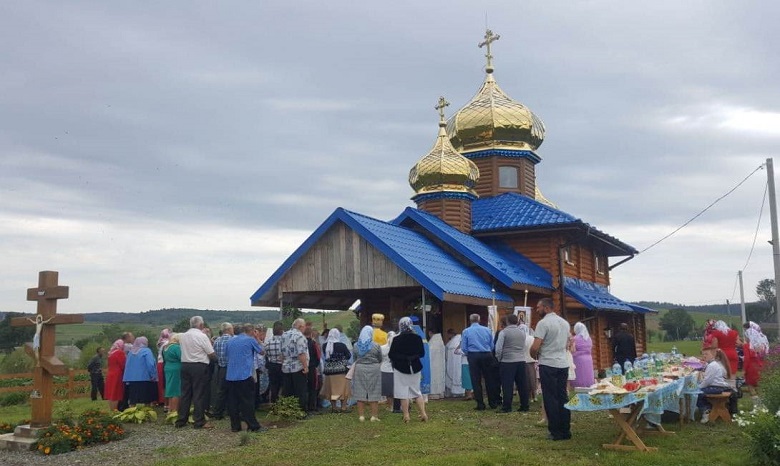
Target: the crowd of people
pixel 245 365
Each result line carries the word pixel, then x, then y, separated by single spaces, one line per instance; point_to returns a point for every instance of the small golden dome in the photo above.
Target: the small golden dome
pixel 443 168
pixel 492 119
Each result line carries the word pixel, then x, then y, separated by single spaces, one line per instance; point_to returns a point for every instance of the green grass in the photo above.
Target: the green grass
pixel 688 348
pixel 456 435
pixel 69 334
pixel 652 320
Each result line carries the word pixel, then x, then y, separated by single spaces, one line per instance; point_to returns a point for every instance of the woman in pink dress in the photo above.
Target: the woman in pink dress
pixel 581 350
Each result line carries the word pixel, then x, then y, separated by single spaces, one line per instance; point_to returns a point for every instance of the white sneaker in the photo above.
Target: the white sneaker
pixel 362 419
pixel 705 417
pixel 374 419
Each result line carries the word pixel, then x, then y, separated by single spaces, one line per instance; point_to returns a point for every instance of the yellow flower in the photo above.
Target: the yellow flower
pixel 47 451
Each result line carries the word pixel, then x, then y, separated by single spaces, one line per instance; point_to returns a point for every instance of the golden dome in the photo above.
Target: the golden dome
pixel 492 119
pixel 443 168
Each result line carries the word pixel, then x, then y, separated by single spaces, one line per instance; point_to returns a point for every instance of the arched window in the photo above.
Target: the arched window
pixel 507 177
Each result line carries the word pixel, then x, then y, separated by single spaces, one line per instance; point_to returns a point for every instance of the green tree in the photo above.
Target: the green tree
pixel 11 337
pixel 289 314
pixel 677 323
pixel 88 351
pixel 17 362
pixel 181 326
pixel 766 291
pixel 353 331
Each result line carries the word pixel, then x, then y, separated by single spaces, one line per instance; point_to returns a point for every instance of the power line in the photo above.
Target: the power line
pixel 760 213
pixel 705 209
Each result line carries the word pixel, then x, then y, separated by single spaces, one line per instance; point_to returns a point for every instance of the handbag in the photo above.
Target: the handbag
pixel 335 366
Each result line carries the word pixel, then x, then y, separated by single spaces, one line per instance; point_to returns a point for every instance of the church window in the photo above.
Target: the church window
pixel 601 263
pixel 507 177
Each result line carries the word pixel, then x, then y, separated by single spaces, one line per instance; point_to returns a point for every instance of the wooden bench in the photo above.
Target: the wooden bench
pixel 720 409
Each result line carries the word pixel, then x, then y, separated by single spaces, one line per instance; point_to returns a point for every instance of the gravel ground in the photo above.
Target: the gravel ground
pixel 144 444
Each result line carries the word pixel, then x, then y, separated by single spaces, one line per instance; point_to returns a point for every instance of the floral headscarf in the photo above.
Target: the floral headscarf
pixel 365 340
pixel 118 345
pixel 758 341
pixel 165 336
pixel 581 330
pixel 334 336
pixel 405 325
pixel 139 344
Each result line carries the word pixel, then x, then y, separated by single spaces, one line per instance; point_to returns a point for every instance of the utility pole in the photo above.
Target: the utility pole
pixel 770 173
pixel 742 297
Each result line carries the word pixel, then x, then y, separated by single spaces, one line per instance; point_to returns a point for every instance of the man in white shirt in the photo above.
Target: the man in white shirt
pixel 196 352
pixel 551 338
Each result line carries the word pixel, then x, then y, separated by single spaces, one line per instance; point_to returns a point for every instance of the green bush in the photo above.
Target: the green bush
pixel 287 407
pixel 16 398
pixel 137 414
pixel 763 429
pixel 17 362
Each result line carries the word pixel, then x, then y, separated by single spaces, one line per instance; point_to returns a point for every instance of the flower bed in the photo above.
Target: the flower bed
pixel 92 427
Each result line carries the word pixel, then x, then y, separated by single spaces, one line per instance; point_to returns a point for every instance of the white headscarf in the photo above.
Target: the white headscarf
pixel 722 327
pixel 334 336
pixel 758 341
pixel 581 330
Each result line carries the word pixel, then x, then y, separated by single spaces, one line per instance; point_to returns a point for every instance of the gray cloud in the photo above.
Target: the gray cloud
pixel 126 131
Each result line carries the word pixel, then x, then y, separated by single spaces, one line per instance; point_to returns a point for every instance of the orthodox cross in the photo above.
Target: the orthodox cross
pixel 442 104
pixel 489 39
pixel 42 348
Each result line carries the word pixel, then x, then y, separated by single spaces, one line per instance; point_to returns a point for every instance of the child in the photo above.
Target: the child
pixel 714 380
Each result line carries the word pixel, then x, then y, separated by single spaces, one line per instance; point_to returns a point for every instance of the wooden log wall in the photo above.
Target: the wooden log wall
pixel 455 212
pixel 342 260
pixel 488 184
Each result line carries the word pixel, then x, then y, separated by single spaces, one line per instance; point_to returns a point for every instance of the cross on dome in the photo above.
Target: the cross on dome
pixel 441 106
pixel 489 39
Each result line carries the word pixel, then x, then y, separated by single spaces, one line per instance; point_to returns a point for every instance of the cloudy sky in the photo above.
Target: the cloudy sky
pixel 173 154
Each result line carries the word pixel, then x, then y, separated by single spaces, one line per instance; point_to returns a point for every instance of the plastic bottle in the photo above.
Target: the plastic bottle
pixel 616 370
pixel 651 365
pixel 628 370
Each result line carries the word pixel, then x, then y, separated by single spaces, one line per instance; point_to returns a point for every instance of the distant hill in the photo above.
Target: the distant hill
pixel 706 309
pixel 166 316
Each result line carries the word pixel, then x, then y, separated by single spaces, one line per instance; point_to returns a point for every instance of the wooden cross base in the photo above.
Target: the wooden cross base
pixel 625 421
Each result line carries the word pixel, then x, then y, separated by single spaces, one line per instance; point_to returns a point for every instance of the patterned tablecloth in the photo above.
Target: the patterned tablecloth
pixel 665 398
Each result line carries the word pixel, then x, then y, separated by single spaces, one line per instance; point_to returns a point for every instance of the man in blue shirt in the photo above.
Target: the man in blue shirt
pixel 477 344
pixel 240 351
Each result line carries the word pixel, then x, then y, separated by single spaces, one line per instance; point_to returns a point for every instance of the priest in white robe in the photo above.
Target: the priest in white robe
pixel 438 366
pixel 452 381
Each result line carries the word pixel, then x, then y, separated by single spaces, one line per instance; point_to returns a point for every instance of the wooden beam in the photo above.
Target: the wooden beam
pixel 55 292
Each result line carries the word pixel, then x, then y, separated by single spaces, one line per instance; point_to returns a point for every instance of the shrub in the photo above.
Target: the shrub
pixel 137 414
pixel 92 427
pixel 17 363
pixel 287 407
pixel 16 398
pixel 763 429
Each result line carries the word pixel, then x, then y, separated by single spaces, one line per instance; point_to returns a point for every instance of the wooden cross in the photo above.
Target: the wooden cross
pixel 489 39
pixel 47 364
pixel 442 104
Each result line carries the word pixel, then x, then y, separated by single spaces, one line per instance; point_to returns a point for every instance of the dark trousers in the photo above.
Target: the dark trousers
pixel 295 384
pixel 274 380
pixel 241 404
pixel 484 365
pixel 313 389
pixel 194 391
pixel 97 385
pixel 555 396
pixel 220 399
pixel 513 373
pixel 701 401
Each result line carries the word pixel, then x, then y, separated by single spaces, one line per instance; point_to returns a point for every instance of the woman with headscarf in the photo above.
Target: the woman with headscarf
pixel 387 371
pixel 336 357
pixel 726 338
pixel 367 380
pixel 581 350
pixel 709 330
pixel 172 358
pixel 141 373
pixel 162 342
pixel 115 388
pixel 406 353
pixel 754 349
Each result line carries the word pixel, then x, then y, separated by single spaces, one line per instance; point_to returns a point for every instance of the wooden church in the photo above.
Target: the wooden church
pixel 482 235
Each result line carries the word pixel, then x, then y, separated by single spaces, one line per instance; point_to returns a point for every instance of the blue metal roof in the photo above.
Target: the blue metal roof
pixel 503 264
pixel 512 210
pixel 594 295
pixel 412 252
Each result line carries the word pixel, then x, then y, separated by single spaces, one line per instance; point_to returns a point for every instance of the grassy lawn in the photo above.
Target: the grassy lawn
pixel 688 348
pixel 69 334
pixel 455 435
